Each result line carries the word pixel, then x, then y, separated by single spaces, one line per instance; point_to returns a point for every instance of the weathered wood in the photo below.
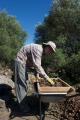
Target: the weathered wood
pixel 65 88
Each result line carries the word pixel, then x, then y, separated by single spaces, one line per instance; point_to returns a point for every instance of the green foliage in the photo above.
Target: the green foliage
pixel 12 37
pixel 62 26
pixel 73 67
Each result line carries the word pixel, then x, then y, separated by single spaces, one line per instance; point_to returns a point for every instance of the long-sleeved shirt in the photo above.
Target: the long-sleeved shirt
pixel 30 56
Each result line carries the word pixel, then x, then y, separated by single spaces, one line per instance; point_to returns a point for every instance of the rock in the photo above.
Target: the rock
pixel 32 79
pixel 6 80
pixel 2 103
pixel 4 114
pixel 5 117
pixel 6 73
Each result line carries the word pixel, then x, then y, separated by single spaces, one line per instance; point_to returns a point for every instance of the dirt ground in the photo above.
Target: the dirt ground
pixel 67 109
pixel 33 101
pixel 11 110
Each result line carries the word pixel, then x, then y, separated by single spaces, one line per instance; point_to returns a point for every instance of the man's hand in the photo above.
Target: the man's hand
pixel 51 81
pixel 39 78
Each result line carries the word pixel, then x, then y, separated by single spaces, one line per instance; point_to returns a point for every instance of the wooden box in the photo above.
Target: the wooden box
pixel 52 89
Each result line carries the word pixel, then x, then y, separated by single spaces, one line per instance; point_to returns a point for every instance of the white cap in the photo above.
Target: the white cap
pixel 51 44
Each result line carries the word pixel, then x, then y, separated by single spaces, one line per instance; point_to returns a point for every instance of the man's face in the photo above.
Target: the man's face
pixel 48 50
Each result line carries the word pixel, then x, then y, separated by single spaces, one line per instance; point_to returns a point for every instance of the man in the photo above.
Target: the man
pixel 30 56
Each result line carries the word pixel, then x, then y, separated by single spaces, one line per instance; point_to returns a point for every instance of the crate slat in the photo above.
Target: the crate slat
pixel 54 89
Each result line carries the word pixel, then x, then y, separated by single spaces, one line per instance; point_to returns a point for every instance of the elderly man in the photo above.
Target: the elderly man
pixel 30 56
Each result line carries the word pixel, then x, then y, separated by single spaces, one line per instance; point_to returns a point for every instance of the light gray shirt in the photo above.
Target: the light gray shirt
pixel 30 56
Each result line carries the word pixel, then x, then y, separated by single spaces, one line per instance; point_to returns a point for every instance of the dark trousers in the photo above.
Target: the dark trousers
pixel 21 85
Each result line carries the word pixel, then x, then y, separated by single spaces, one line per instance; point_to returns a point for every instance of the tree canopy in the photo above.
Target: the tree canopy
pixel 62 26
pixel 12 37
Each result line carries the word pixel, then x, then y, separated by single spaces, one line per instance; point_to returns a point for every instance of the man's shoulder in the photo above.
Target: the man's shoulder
pixel 38 46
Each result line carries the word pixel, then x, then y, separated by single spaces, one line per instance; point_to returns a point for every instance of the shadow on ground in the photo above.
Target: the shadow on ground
pixel 33 102
pixel 8 95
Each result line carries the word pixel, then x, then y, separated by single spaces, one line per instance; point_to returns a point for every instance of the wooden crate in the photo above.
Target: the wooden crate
pixel 52 89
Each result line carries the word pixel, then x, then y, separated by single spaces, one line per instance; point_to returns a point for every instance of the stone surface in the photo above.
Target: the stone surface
pixel 6 80
pixel 4 114
pixel 5 117
pixel 2 103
